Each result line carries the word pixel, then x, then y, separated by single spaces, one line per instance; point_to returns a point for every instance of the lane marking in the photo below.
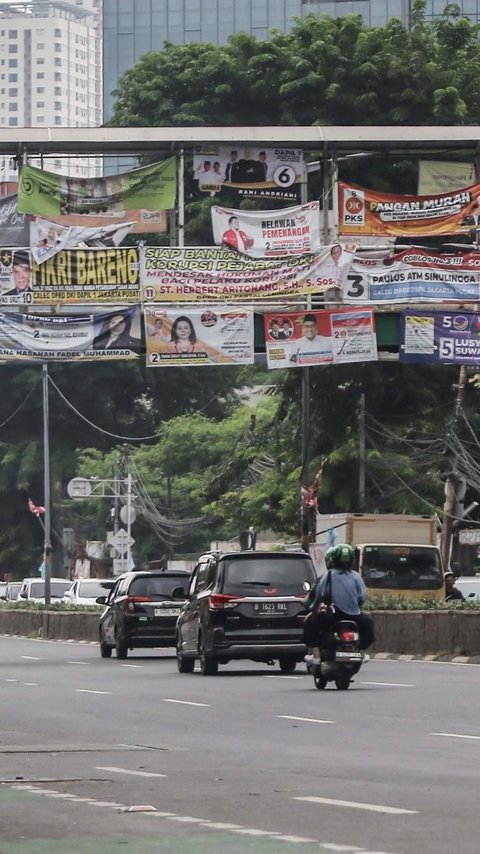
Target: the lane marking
pixel 31 683
pixel 456 735
pixel 89 691
pixel 186 702
pixel 113 770
pixel 391 684
pixel 308 720
pixel 278 676
pixel 141 666
pixel 11 680
pixel 78 662
pixel 205 822
pixel 355 805
pixel 31 657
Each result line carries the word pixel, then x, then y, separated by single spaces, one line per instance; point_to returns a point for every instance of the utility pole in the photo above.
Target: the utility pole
pixel 361 454
pixel 454 485
pixel 47 547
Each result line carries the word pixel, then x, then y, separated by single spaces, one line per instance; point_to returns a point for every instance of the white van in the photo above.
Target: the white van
pixel 469 585
pixel 33 589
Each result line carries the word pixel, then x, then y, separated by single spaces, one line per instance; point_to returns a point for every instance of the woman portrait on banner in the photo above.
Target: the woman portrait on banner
pixel 115 334
pixel 183 338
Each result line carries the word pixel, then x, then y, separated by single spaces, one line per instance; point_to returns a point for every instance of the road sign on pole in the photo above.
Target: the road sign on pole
pixel 79 487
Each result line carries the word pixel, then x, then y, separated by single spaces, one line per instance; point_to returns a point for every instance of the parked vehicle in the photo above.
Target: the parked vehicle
pixel 340 656
pixel 469 585
pixel 85 591
pixel 397 553
pixel 3 589
pixel 141 610
pixel 245 605
pixel 33 589
pixel 12 590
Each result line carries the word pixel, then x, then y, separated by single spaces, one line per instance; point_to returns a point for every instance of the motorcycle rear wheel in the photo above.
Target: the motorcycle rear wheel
pixel 342 681
pixel 320 681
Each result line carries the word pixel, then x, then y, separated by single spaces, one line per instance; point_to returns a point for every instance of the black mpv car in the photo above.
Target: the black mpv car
pixel 141 610
pixel 244 605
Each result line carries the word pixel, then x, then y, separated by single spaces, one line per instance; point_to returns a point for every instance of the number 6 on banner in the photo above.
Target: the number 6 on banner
pixel 284 176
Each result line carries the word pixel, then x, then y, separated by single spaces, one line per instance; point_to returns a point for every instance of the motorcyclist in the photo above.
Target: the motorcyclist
pixel 348 593
pixel 312 624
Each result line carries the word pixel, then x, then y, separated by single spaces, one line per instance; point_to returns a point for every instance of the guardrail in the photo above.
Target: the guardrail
pixel 402 632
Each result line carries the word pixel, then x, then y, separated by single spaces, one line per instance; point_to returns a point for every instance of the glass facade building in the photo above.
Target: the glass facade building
pixel 134 27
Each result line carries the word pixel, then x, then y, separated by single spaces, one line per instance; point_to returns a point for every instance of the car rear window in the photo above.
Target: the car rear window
pixel 57 588
pixel 256 576
pixel 157 585
pixel 91 589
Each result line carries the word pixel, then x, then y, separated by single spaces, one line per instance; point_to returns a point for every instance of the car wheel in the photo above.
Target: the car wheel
pixel 184 664
pixel 320 682
pixel 121 648
pixel 287 665
pixel 208 664
pixel 105 649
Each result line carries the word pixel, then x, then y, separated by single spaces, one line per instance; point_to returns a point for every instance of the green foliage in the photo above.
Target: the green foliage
pixel 423 603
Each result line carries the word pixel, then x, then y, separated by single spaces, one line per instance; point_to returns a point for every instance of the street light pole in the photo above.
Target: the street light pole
pixel 47 549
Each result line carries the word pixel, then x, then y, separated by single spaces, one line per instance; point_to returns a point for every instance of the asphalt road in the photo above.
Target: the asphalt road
pixel 248 762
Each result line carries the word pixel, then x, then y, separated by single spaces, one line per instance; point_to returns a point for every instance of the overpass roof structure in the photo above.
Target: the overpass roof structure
pixel 321 139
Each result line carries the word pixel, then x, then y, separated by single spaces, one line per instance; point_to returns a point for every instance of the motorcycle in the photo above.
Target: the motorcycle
pixel 340 657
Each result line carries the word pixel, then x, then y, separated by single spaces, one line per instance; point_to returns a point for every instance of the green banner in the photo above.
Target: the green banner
pixel 149 188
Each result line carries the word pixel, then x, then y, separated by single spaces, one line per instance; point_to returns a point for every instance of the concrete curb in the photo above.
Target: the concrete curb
pixel 439 658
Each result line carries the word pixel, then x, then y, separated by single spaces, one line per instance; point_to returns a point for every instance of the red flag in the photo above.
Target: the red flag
pixel 35 509
pixel 310 494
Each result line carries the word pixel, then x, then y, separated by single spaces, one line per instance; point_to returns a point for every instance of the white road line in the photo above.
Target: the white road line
pixel 302 839
pixel 31 657
pixel 113 770
pixel 186 702
pixel 308 720
pixel 89 691
pixel 456 735
pixel 78 662
pixel 332 846
pixel 11 680
pixel 355 805
pixel 189 819
pixel 31 683
pixel 252 831
pixel 391 684
pixel 141 666
pixel 278 676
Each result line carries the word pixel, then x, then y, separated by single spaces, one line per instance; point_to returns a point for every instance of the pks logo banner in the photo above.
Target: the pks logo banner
pixel 368 212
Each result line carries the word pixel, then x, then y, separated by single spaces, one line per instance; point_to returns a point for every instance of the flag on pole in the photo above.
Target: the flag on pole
pixel 37 510
pixel 310 494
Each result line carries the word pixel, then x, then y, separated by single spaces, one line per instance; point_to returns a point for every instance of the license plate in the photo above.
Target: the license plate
pixel 166 612
pixel 270 608
pixel 352 656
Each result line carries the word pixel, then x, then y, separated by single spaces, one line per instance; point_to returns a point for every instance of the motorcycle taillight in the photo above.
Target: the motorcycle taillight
pixel 348 636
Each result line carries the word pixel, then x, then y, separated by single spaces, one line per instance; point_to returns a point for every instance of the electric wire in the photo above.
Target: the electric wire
pixel 19 407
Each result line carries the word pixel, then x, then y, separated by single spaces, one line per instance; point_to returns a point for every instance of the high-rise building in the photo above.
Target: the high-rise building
pixel 51 71
pixel 134 27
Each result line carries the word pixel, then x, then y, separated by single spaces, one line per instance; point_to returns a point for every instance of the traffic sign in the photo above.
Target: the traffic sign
pixel 120 541
pixel 79 487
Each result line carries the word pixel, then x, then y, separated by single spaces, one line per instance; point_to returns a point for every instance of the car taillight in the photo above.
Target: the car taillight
pixel 130 602
pixel 218 601
pixel 348 636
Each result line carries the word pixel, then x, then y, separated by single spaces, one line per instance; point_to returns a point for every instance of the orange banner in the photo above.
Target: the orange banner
pixel 367 212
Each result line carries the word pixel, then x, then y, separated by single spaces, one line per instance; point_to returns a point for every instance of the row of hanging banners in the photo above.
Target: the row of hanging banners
pixel 196 304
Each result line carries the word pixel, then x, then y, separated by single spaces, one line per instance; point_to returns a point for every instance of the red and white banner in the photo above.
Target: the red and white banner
pixel 368 212
pixel 331 337
pixel 268 234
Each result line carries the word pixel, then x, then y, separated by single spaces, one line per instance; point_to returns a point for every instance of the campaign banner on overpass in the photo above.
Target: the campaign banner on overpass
pixel 71 276
pixel 48 237
pixel 301 339
pixel 268 234
pixel 451 337
pixel 199 336
pixel 14 226
pixel 367 212
pixel 265 173
pixel 76 337
pixel 210 274
pixel 414 275
pixel 48 194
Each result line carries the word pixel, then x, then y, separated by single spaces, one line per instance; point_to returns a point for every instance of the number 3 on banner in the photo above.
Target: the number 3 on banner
pixel 356 289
